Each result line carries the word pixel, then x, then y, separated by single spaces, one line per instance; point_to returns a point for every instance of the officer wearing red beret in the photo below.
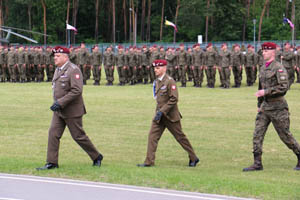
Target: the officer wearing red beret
pixel 167 115
pixel 272 107
pixel 68 109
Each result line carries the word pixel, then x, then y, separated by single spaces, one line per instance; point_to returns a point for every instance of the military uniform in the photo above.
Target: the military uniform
pixel 182 65
pixel 153 56
pixel 22 65
pixel 2 66
pixel 132 65
pixel 273 79
pixel 224 63
pixel 237 62
pixel 197 66
pixel 82 57
pixel 96 62
pixel 67 87
pixel 12 62
pixel 49 62
pixel 287 62
pixel 171 58
pixel 120 61
pixel 145 64
pixel 210 63
pixel 250 63
pixel 166 94
pixel 38 68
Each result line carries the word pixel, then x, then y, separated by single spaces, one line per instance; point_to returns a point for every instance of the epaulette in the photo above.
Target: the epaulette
pixel 73 66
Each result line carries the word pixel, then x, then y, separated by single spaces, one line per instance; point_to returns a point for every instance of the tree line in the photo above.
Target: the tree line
pixel 116 21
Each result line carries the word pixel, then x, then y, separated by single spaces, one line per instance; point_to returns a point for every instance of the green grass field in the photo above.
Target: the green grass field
pixel 219 123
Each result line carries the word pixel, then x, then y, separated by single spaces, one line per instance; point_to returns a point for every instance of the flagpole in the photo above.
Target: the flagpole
pixel 69 38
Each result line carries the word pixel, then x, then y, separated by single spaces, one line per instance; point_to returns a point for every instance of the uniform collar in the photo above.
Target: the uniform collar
pixel 62 67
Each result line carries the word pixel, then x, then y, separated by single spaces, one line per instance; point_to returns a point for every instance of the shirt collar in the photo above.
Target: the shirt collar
pixel 61 68
pixel 161 78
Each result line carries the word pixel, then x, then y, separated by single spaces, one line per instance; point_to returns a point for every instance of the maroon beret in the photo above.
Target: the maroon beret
pixel 182 45
pixel 249 46
pixel 268 46
pixel 60 49
pixel 120 47
pixel 154 46
pixel 209 45
pixel 159 63
pixel 145 46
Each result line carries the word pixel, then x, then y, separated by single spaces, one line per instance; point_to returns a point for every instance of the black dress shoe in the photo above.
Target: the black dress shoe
pixel 48 166
pixel 143 165
pixel 193 163
pixel 98 160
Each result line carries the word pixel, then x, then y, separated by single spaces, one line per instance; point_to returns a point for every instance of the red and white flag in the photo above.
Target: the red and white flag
pixel 69 27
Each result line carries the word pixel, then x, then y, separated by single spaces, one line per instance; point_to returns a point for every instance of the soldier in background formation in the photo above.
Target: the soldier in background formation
pixel 26 64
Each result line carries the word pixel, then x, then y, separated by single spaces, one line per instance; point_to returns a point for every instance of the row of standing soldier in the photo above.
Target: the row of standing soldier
pixel 26 64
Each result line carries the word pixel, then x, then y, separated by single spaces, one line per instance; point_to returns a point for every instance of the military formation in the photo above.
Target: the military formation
pixel 133 64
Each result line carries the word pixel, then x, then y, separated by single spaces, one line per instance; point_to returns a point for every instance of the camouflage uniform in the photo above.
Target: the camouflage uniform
pixel 49 64
pixel 210 62
pixel 82 57
pixel 153 56
pixel 237 61
pixel 109 62
pixel 171 57
pixel 287 62
pixel 182 64
pixel 297 64
pixel 273 79
pixel 189 62
pixel 12 62
pixel 96 62
pixel 21 64
pixel 250 63
pixel 120 60
pixel 2 65
pixel 145 65
pixel 224 63
pixel 197 66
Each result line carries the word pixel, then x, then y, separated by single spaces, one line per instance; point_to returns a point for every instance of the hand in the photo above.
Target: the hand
pixel 260 93
pixel 55 106
pixel 158 116
pixel 258 110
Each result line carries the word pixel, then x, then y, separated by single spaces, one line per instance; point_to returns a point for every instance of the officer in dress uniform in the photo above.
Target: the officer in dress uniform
pixel 68 109
pixel 167 115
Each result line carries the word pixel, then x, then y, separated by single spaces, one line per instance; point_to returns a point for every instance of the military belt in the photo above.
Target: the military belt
pixel 274 99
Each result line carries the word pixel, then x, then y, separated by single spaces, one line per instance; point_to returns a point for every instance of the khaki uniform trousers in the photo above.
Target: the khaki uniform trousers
pixel 156 132
pixel 56 131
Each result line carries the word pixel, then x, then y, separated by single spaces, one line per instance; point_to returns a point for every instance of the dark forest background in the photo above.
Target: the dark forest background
pixel 113 21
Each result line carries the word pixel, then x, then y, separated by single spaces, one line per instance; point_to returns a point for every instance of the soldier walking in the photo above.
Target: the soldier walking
pixel 167 116
pixel 272 107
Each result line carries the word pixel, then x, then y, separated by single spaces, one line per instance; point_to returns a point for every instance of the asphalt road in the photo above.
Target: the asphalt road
pixel 22 187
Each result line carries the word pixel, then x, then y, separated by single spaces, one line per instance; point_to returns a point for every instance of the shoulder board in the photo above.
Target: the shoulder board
pixel 73 66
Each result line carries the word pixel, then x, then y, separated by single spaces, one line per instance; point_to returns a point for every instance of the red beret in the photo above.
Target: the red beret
pixel 181 45
pixel 249 46
pixel 154 46
pixel 209 45
pixel 159 63
pixel 60 49
pixel 268 46
pixel 236 45
pixel 120 47
pixel 145 46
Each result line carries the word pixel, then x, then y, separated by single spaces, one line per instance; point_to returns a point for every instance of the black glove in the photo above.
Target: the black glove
pixel 158 116
pixel 55 106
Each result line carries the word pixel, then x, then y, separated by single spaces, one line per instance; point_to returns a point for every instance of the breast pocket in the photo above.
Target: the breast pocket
pixel 271 78
pixel 64 83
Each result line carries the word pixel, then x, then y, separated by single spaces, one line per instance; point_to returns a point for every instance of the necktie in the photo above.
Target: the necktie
pixel 154 89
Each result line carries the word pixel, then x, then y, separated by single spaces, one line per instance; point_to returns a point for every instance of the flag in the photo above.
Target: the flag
pixel 69 27
pixel 168 23
pixel 286 20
